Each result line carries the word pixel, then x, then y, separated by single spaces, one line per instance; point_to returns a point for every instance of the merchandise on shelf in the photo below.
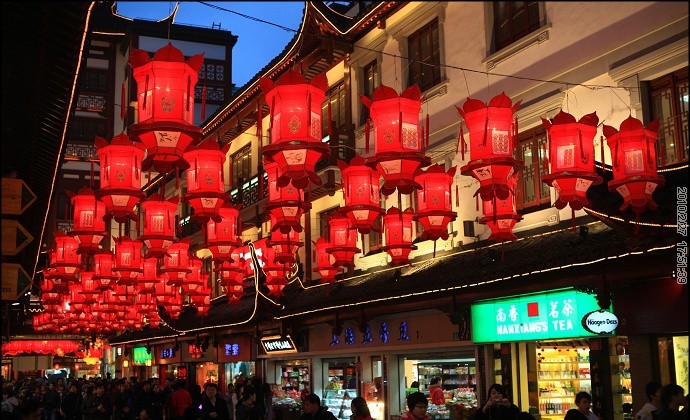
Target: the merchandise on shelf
pixel 562 372
pixel 338 402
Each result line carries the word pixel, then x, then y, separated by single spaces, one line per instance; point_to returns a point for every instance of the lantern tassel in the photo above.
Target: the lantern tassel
pixel 572 216
pixel 400 136
pixel 457 195
pixel 123 102
pixel 603 161
pixel 259 120
pixel 203 103
pixel 330 122
pixel 400 204
pixel 367 128
pixel 493 202
pixel 91 181
pixel 434 250
pixel 189 96
pixel 546 158
pixel 426 143
pixel 486 130
pixel 146 90
pixel 313 255
pixel 477 199
pixel 516 136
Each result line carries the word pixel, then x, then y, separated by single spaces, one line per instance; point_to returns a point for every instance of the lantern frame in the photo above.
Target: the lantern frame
pixel 435 216
pixel 361 212
pixel 398 251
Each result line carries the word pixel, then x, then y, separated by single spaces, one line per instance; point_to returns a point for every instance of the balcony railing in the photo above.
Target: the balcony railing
pixel 82 151
pixel 342 144
pixel 248 193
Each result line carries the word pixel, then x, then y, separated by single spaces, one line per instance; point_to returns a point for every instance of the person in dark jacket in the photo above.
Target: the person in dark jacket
pixel 213 407
pixel 672 397
pixel 498 406
pixel 197 395
pixel 247 409
pixel 51 403
pixel 71 404
pixel 311 405
pixel 123 402
pixel 158 402
pixel 144 399
pixel 96 406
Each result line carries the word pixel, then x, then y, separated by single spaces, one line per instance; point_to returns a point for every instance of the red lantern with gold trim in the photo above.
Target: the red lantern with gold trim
pixel 232 273
pixel 398 146
pixel 492 133
pixel 64 258
pixel 149 276
pixel 571 153
pixel 176 263
pixel 165 96
pixel 128 260
pixel 159 224
pixel 196 277
pixel 633 153
pixel 285 205
pixel 296 131
pixel 324 261
pixel 103 270
pixel 361 193
pixel 397 227
pixel 221 237
pixel 284 244
pixel 501 215
pixel 89 287
pixel 434 204
pixel 87 216
pixel 343 239
pixel 205 184
pixel 120 168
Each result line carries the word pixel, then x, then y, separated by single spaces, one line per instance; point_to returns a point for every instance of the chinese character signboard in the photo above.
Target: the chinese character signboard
pixel 167 353
pixel 141 356
pixel 550 315
pixel 278 345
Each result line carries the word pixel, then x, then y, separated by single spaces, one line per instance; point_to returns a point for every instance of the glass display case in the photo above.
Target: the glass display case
pixel 620 378
pixel 562 372
pixel 338 402
pixel 294 378
pixel 453 376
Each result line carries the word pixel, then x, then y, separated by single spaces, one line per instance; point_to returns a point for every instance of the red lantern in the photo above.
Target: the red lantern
pixel 295 118
pixel 165 95
pixel 232 274
pixel 89 287
pixel 176 262
pixel 159 224
pixel 76 300
pixel 103 271
pixel 205 185
pixel 284 244
pixel 164 291
pixel 120 167
pixel 128 260
pixel 399 151
pixel 324 261
pixel 492 132
pixel 286 204
pixel 361 192
pixel 572 158
pixel 501 215
pixel 398 231
pixel 173 305
pixel 634 163
pixel 64 258
pixel 276 278
pixel 88 214
pixel 196 278
pixel 221 237
pixel 343 239
pixel 435 209
pixel 149 277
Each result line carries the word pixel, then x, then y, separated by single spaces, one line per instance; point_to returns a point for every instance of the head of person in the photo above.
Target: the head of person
pixel 146 385
pixel 99 389
pixel 249 394
pixel 156 388
pixel 179 384
pixel 30 410
pixel 311 404
pixel 672 396
pixel 143 415
pixel 73 388
pixel 497 391
pixel 415 385
pixel 653 391
pixel 417 403
pixel 583 401
pixel 435 381
pixel 211 390
pixel 359 407
pixel 267 389
pixel 239 389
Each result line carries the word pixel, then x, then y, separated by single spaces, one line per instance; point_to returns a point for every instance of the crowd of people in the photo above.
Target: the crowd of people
pixel 129 399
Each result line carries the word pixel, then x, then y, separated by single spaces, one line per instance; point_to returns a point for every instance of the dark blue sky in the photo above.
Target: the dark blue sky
pixel 257 44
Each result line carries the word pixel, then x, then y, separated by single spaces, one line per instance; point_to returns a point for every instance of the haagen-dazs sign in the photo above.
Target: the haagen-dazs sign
pixel 600 322
pixel 278 344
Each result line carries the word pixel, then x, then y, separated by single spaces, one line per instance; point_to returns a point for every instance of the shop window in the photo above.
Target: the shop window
pixel 514 20
pixel 324 231
pixel 669 104
pixel 673 360
pixel 341 386
pixel 370 78
pixel 336 97
pixel 241 163
pixel 423 52
pixel 532 193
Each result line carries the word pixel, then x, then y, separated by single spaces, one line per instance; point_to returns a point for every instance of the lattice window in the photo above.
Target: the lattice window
pixel 425 58
pixel 514 20
pixel 371 80
pixel 241 166
pixel 532 192
pixel 336 96
pixel 669 104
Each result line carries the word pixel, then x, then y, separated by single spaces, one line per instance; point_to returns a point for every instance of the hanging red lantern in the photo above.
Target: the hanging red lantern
pixel 492 133
pixel 165 96
pixel 164 291
pixel 397 227
pixel 205 184
pixel 633 153
pixel 221 237
pixel 285 245
pixel 343 239
pixel 286 204
pixel 87 217
pixel 324 261
pixel 296 143
pixel 149 276
pixel 103 270
pixel 173 305
pixel 361 192
pixel 571 153
pixel 434 204
pixel 159 224
pixel 77 304
pixel 398 149
pixel 501 215
pixel 232 273
pixel 276 278
pixel 120 168
pixel 128 260
pixel 176 262
pixel 64 258
pixel 89 287
pixel 196 278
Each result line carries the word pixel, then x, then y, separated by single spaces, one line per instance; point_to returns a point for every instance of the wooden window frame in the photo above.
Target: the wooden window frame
pixel 337 112
pixel 368 88
pixel 417 68
pixel 324 230
pixel 671 82
pixel 536 137
pixel 512 15
pixel 246 172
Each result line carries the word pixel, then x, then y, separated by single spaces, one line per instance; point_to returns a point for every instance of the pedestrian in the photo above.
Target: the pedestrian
pixel 311 405
pixel 96 406
pixel 498 405
pixel 583 401
pixel 213 407
pixel 672 397
pixel 417 405
pixel 268 401
pixel 70 408
pixel 30 410
pixel 436 392
pixel 180 401
pixel 247 408
pixel 653 391
pixel 360 409
pixel 236 396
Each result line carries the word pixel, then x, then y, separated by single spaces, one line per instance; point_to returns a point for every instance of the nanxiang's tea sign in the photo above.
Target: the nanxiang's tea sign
pixel 140 356
pixel 278 344
pixel 542 316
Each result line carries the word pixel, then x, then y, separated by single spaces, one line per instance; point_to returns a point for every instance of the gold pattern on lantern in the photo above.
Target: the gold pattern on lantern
pixel 294 124
pixel 120 175
pixel 167 103
pixel 209 179
pixel 389 136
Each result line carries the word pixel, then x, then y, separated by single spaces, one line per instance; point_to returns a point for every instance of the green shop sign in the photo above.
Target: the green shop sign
pixel 140 355
pixel 541 316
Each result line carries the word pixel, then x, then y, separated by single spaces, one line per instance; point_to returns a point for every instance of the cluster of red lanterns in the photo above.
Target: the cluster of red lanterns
pixel 89 289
